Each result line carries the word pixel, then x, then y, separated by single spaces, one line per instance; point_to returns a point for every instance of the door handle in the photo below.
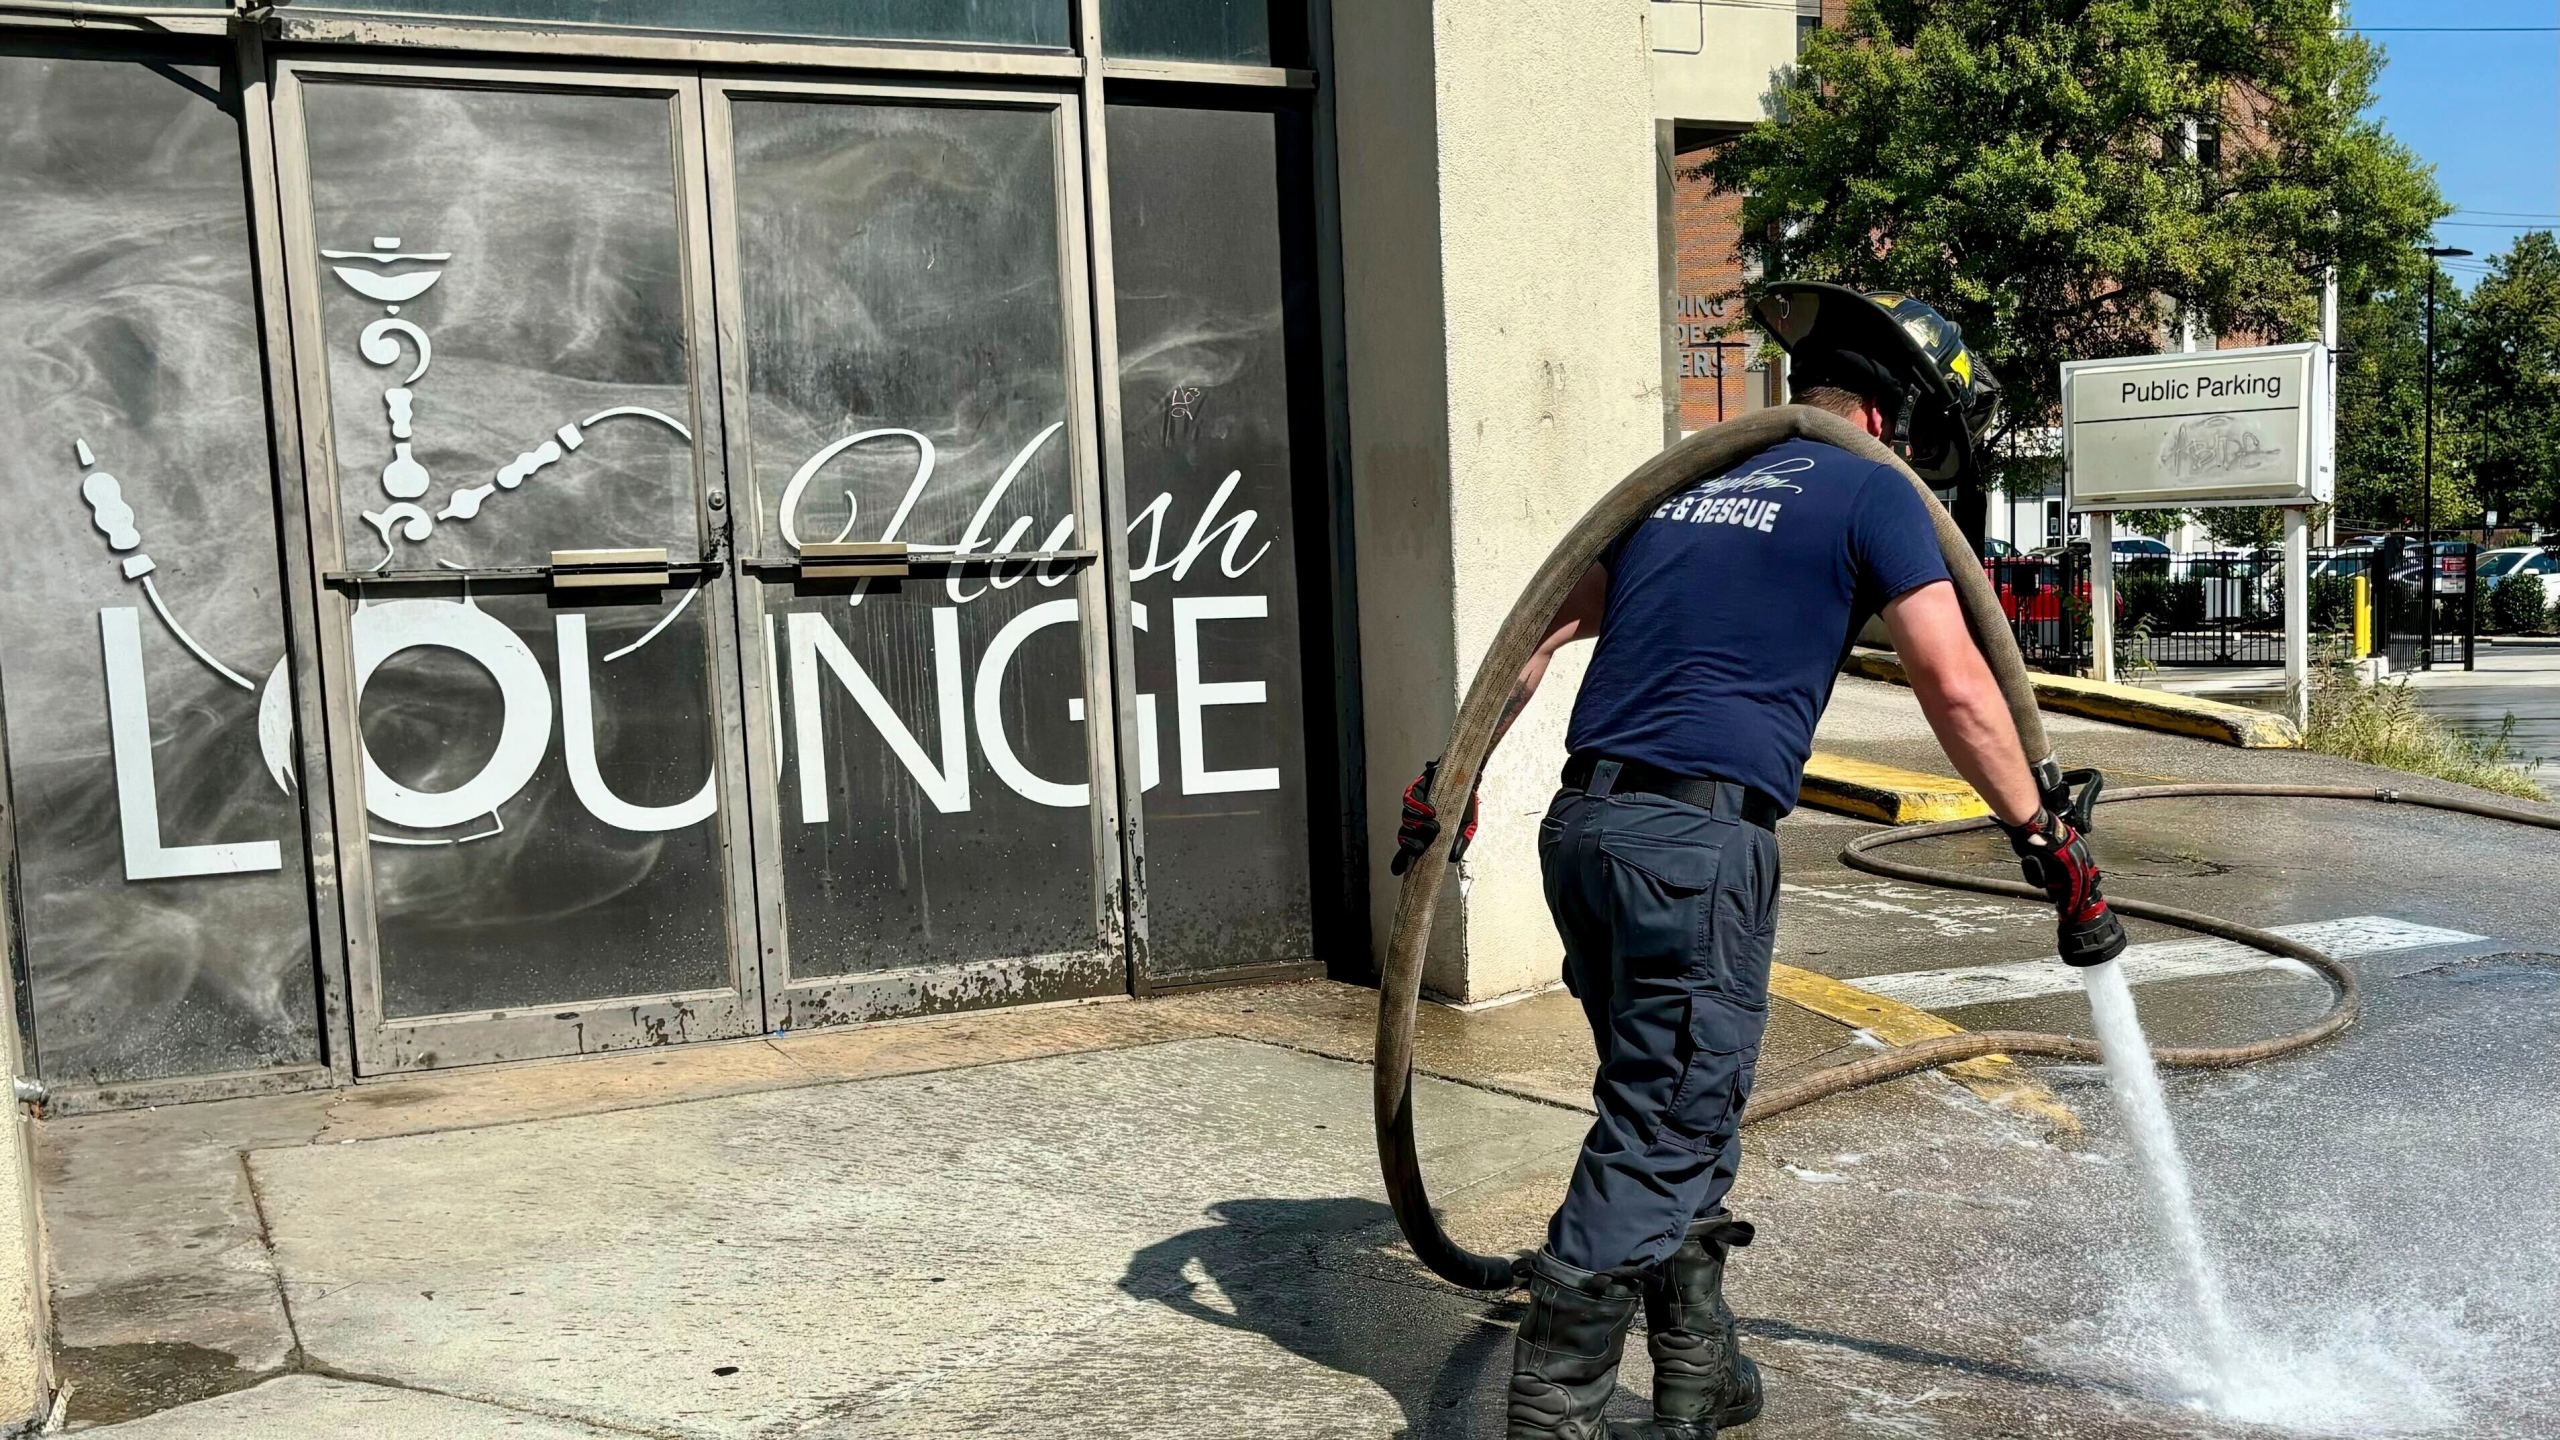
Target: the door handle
pixel 854 560
pixel 629 569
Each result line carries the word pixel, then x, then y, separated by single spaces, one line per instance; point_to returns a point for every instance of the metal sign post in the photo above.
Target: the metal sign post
pixel 2297 612
pixel 2192 431
pixel 2102 595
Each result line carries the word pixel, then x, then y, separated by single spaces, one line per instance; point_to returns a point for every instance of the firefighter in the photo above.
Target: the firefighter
pixel 1721 621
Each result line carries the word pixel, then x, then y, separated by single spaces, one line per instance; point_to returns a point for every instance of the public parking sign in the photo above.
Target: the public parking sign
pixel 2190 431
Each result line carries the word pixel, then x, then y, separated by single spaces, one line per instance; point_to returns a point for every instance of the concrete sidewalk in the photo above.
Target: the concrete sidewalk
pixel 907 1229
pixel 1158 1237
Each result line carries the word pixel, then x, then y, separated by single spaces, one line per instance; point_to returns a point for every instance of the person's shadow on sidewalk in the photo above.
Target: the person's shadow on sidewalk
pixel 1443 1357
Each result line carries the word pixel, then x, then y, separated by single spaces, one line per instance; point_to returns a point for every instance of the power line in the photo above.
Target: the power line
pixel 2512 214
pixel 2452 29
pixel 2492 225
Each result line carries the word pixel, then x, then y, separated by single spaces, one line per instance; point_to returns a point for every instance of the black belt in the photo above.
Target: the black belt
pixel 1726 798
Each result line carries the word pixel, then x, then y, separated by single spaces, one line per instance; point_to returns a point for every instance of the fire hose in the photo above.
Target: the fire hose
pixel 1706 453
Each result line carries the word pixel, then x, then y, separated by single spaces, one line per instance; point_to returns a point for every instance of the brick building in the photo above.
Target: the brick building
pixel 1713 67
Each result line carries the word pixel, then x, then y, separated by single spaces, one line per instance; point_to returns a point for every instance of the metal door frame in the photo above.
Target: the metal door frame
pixel 386 1045
pixel 1104 968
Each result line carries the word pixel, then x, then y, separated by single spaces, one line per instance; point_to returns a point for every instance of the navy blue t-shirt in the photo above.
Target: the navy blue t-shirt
pixel 1729 609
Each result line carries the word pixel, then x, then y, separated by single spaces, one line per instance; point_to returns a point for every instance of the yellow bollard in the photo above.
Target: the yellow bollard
pixel 2364 616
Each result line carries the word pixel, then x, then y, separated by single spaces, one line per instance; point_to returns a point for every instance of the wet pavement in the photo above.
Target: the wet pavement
pixel 1163 1219
pixel 2383 1203
pixel 2509 678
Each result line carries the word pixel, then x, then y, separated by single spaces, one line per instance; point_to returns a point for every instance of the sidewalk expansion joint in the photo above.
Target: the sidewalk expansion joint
pixel 393 1382
pixel 295 1356
pixel 1420 1070
pixel 299 1361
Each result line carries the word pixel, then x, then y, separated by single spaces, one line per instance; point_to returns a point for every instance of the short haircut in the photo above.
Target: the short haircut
pixel 1839 400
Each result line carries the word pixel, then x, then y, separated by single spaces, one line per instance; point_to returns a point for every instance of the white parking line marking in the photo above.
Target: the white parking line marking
pixel 2164 960
pixel 1952 916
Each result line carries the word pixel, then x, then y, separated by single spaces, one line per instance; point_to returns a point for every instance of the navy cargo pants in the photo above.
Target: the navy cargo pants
pixel 1669 912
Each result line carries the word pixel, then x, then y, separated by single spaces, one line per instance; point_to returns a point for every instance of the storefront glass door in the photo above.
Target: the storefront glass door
pixel 704 674
pixel 502 324
pixel 1213 315
pixel 909 405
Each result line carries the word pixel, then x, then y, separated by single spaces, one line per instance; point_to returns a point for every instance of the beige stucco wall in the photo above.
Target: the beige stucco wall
pixel 1503 332
pixel 1715 64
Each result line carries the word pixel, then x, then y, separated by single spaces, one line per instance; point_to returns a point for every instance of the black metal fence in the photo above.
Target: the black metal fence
pixel 2416 628
pixel 2227 607
pixel 2210 608
pixel 2046 598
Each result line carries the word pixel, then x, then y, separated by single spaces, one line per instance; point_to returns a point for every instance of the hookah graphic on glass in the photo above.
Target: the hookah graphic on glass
pixel 392 277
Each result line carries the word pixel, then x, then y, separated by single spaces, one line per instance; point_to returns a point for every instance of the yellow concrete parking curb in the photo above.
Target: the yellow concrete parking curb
pixel 1995 1078
pixel 1882 792
pixel 2135 705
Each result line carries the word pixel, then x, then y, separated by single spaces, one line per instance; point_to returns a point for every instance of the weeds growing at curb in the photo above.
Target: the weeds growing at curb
pixel 2381 724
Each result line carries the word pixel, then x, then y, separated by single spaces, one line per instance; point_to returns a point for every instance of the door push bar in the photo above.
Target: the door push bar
pixel 637 568
pixel 632 569
pixel 855 560
pixel 897 560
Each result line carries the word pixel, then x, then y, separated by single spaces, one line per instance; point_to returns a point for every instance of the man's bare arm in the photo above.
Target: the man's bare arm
pixel 1578 619
pixel 1961 699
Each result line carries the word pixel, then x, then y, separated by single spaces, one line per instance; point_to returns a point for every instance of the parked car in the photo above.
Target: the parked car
pixel 1995 548
pixel 2497 565
pixel 2126 547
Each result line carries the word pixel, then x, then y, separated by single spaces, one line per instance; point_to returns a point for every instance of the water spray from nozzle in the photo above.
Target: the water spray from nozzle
pixel 2135 1083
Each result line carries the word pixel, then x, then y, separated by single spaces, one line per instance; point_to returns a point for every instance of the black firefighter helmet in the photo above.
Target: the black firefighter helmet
pixel 1896 350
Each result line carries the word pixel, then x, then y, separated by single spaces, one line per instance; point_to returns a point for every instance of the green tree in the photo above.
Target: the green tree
pixel 2021 164
pixel 2248 527
pixel 2502 376
pixel 2382 407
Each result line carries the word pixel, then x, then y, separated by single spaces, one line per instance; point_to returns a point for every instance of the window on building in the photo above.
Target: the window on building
pixel 1215 323
pixel 1042 23
pixel 157 889
pixel 1226 32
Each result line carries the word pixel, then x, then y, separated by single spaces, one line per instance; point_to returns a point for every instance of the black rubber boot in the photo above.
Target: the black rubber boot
pixel 1564 1367
pixel 1702 1382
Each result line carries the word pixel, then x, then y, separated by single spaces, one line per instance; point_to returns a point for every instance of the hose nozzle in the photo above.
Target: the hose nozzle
pixel 2091 940
pixel 2073 794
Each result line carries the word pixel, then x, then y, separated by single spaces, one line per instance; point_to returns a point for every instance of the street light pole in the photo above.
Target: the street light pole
pixel 2427 499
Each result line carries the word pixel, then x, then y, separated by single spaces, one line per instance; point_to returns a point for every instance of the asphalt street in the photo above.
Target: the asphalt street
pixel 2510 678
pixel 2521 680
pixel 2382 1205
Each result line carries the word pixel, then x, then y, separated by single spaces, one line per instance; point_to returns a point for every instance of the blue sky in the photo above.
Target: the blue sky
pixel 2483 107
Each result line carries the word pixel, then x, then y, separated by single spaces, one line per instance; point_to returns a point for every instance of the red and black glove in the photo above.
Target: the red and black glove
pixel 2055 857
pixel 1421 825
